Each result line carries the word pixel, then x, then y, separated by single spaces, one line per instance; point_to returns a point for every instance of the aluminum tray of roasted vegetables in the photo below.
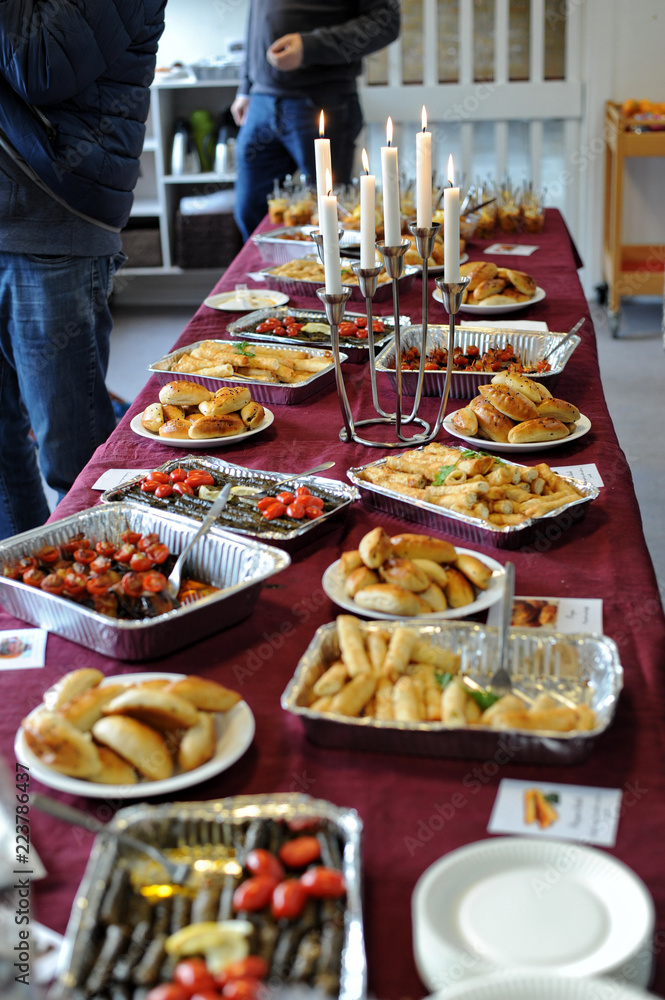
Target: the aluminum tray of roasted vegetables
pixel 129 928
pixel 440 703
pixel 241 514
pixel 73 578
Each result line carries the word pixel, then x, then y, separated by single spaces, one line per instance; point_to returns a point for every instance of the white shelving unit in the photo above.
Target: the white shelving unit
pixel 158 192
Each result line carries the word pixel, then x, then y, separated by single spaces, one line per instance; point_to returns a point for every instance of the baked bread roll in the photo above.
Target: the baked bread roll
pixel 465 421
pixel 212 427
pixel 404 573
pixel 567 413
pixel 375 548
pixel 114 770
pixel 474 570
pixel 477 271
pixel 175 428
pixel 410 545
pixel 140 745
pixel 232 398
pixel 252 415
pixel 523 282
pixel 348 561
pixel 183 393
pixel 520 383
pixel 392 600
pixel 540 429
pixel 158 708
pixel 60 745
pixel 544 391
pixel 491 422
pixel 509 402
pixel 435 571
pixel 492 286
pixel 84 711
pixel 153 417
pixel 458 590
pixel 206 695
pixel 435 597
pixel 198 744
pixel 172 412
pixel 509 294
pixel 70 686
pixel 358 578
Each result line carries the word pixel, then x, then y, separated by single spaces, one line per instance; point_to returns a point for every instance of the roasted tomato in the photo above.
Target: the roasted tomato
pixel 254 893
pixel 300 852
pixel 288 899
pixel 262 862
pixel 323 883
pixel 194 975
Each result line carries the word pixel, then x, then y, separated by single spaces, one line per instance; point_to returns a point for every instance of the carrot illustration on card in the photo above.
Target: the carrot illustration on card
pixel 539 808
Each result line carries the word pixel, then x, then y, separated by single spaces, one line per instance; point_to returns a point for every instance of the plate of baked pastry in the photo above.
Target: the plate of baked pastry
pixel 132 736
pixel 516 413
pixel 182 438
pixel 496 290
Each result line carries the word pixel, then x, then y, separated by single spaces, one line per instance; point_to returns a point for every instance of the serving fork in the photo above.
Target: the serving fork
pixel 501 682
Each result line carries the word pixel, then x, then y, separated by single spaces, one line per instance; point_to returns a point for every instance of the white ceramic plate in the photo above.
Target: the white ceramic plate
pixel 218 442
pixel 523 985
pixel 518 902
pixel 510 307
pixel 583 427
pixel 333 585
pixel 254 298
pixel 235 732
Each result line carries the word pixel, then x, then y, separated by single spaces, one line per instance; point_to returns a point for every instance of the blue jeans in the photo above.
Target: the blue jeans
pixel 277 138
pixel 55 327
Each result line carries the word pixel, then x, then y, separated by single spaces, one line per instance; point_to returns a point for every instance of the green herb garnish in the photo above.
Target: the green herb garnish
pixel 443 680
pixel 244 348
pixel 443 474
pixel 552 798
pixel 484 699
pixel 469 453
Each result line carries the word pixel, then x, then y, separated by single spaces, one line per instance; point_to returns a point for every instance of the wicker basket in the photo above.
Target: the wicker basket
pixel 206 240
pixel 142 246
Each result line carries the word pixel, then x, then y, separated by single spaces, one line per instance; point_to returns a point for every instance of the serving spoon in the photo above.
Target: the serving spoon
pixel 216 508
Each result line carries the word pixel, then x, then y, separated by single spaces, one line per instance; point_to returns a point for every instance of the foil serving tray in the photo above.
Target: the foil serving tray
pixel 239 517
pixel 283 393
pixel 574 669
pixel 204 828
pixel 235 564
pixel 356 351
pixel 279 246
pixel 531 346
pixel 302 286
pixel 548 527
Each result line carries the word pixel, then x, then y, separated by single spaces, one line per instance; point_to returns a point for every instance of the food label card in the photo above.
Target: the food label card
pixel 511 249
pixel 23 648
pixel 588 474
pixel 113 478
pixel 556 811
pixel 564 614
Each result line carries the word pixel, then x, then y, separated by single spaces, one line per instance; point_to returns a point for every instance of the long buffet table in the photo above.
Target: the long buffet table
pixel 602 556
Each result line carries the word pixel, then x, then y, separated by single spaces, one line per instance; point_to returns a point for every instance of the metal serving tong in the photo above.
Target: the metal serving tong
pixel 501 682
pixel 571 333
pixel 216 509
pixel 177 872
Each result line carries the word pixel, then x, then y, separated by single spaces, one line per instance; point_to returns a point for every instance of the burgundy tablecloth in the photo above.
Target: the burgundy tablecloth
pixel 397 796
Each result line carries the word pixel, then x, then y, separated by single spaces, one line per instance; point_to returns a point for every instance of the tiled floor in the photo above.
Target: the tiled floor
pixel 632 371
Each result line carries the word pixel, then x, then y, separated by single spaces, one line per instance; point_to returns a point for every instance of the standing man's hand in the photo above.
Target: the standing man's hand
pixel 286 53
pixel 239 109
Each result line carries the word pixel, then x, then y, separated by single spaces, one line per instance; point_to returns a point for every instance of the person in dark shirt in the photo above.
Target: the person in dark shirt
pixel 303 57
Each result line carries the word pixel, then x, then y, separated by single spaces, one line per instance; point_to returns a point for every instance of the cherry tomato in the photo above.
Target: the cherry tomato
pixel 311 513
pixel 347 329
pixel 105 548
pixel 199 477
pixel 311 501
pixel 145 541
pixel 27 562
pixel 288 899
pixel 33 577
pixel 168 991
pixel 100 565
pixel 288 320
pixel 159 553
pixel 276 510
pixel 149 485
pixel 262 862
pixel 125 553
pixel 362 335
pixel 85 556
pixel 272 321
pixel 130 537
pixel 473 351
pixel 100 584
pixel 303 491
pixel 75 583
pixel 378 326
pixel 209 994
pixel 178 475
pixel 183 489
pixel 266 502
pixel 194 975
pixel 243 989
pixel 296 511
pixel 323 883
pixel 158 477
pixel 154 582
pixel 252 967
pixel 361 321
pixel 294 329
pixel 285 497
pixel 299 852
pixel 279 331
pixel 301 823
pixel 77 542
pixel 132 584
pixel 254 893
pixel 53 583
pixel 164 490
pixel 140 562
pixel 48 554
pixel 266 326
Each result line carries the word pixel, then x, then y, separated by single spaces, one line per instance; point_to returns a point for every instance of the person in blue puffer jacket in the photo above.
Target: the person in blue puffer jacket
pixel 74 97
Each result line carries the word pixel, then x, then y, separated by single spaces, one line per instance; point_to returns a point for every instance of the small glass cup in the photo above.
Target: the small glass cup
pixel 532 206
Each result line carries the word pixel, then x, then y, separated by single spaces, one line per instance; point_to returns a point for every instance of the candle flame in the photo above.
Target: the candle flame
pixel 321 125
pixel 365 160
pixel 328 182
pixel 451 170
pixel 389 130
pixel 424 118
